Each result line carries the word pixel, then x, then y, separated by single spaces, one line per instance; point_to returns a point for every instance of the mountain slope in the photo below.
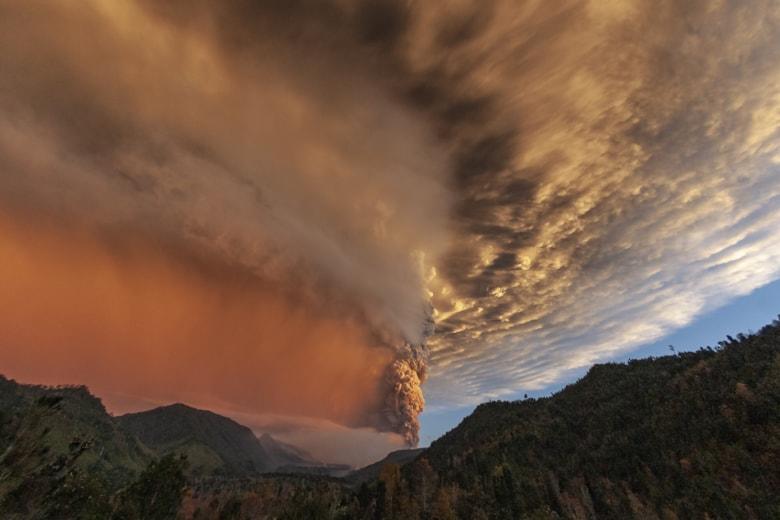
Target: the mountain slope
pixel 372 471
pixel 61 451
pixel 291 460
pixel 691 436
pixel 682 436
pixel 63 456
pixel 213 444
pixel 282 454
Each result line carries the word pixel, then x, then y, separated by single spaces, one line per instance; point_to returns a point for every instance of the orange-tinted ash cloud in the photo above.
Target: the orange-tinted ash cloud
pixel 136 321
pixel 186 220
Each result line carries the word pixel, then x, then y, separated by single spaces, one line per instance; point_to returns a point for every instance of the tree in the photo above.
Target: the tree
pixel 423 480
pixel 442 505
pixel 390 478
pixel 157 493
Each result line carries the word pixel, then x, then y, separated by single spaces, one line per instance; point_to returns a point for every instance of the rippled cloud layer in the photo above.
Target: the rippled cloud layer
pixel 617 175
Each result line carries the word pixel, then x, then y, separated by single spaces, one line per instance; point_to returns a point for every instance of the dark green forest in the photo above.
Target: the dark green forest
pixel 694 435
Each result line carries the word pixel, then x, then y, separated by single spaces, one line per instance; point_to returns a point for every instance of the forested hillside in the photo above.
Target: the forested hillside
pixel 689 436
pixel 64 457
pixel 693 435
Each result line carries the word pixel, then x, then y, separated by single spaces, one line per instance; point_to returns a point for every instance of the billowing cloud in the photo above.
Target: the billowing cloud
pixel 260 206
pixel 307 199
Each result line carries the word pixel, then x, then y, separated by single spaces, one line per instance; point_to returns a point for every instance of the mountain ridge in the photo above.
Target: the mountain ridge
pixel 692 435
pixel 372 471
pixel 214 444
pixel 695 435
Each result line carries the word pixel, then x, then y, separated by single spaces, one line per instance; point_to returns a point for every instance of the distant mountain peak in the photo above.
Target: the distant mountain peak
pixel 214 444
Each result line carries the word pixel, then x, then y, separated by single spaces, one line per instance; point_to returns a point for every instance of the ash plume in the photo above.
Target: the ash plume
pixel 405 401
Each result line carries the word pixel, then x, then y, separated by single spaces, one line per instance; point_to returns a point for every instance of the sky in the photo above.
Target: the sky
pixel 322 218
pixel 746 314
